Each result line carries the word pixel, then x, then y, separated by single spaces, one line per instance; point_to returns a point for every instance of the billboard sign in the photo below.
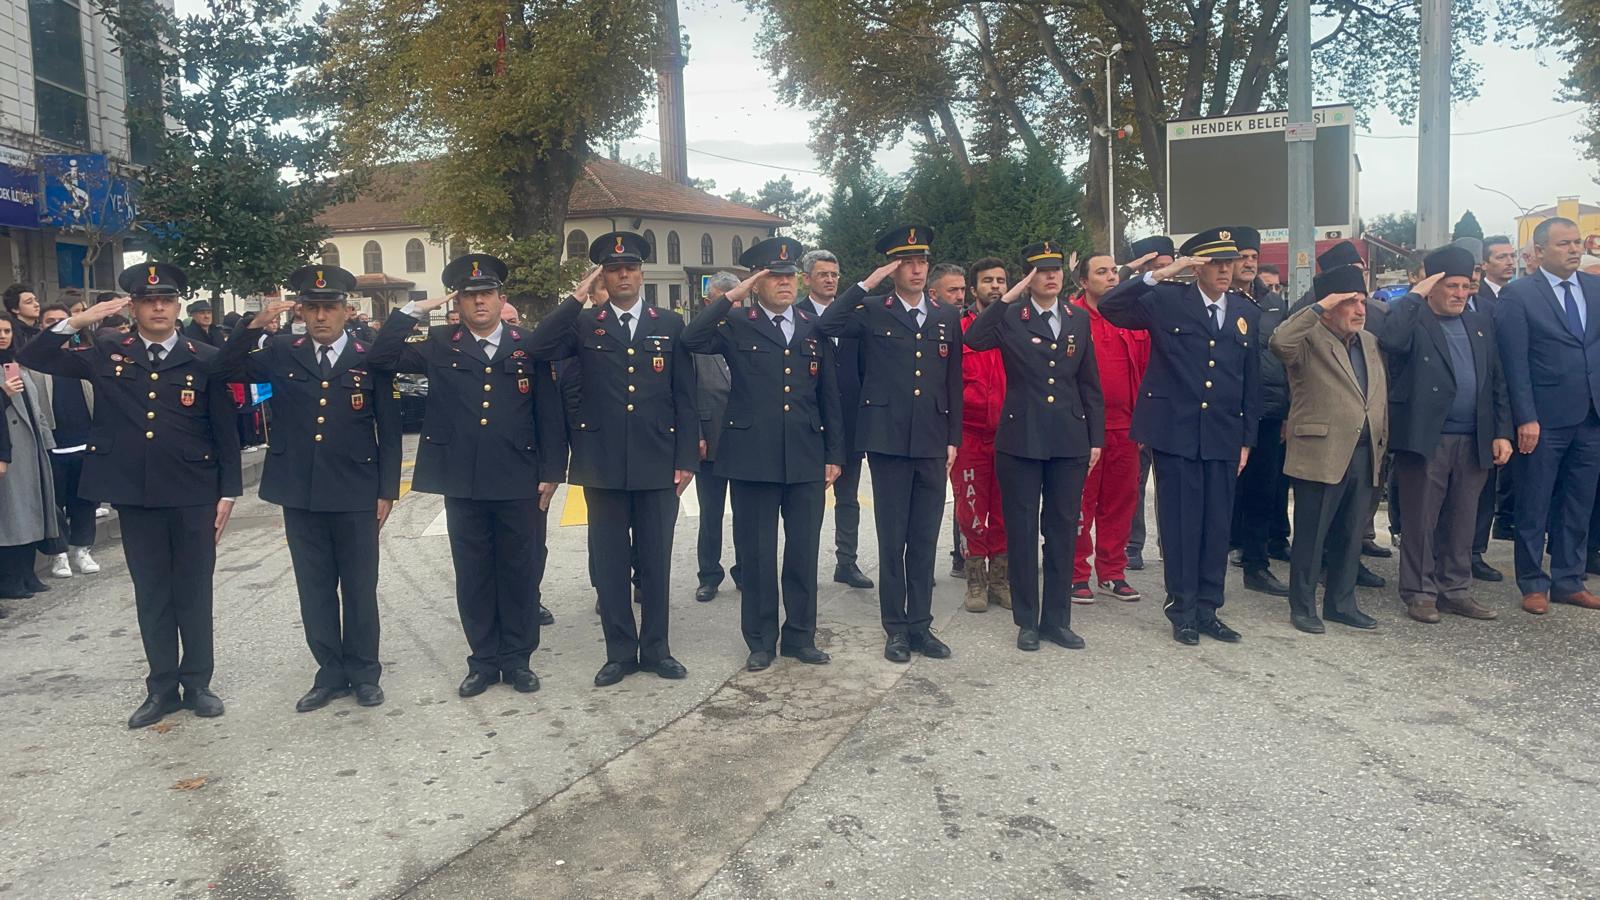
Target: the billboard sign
pixel 19 188
pixel 80 192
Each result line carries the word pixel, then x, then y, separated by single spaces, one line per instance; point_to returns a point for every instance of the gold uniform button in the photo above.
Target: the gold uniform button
pixel 1050 380
pixel 319 437
pixel 787 370
pixel 483 421
pixel 630 351
pixel 786 353
pixel 919 337
pixel 324 385
pixel 630 407
pixel 916 392
pixel 321 419
pixel 1052 364
pixel 1211 343
pixel 632 388
pixel 1208 385
pixel 152 395
pixel 486 370
pixel 155 376
pixel 487 388
pixel 1211 364
pixel 787 389
pixel 1204 405
pixel 1052 346
pixel 149 435
pixel 1049 398
pixel 786 407
pixel 485 404
pixel 630 370
pixel 919 354
pixel 323 402
pixel 150 415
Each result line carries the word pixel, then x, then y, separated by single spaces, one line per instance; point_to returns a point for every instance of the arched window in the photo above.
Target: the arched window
pixel 650 238
pixel 738 248
pixel 707 256
pixel 577 244
pixel 371 258
pixel 330 255
pixel 416 256
pixel 674 252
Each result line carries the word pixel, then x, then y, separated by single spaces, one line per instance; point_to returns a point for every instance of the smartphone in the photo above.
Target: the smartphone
pixel 12 370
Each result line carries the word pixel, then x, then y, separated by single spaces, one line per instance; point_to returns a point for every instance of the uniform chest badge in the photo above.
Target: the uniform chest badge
pixel 1038 340
pixel 522 386
pixel 358 400
pixel 1072 346
pixel 599 332
pixel 659 363
pixel 944 351
pixel 186 397
pixel 117 357
pixel 1243 326
pixel 813 368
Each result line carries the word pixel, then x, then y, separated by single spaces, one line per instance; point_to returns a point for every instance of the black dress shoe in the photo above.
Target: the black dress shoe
pixel 1372 548
pixel 1216 629
pixel 1503 531
pixel 1135 560
pixel 758 661
pixel 1308 624
pixel 369 695
pixel 546 617
pixel 153 710
pixel 1355 619
pixel 1263 581
pixel 852 576
pixel 318 697
pixel 811 656
pixel 929 646
pixel 1485 572
pixel 523 680
pixel 1367 578
pixel 613 672
pixel 1278 550
pixel 1027 639
pixel 1236 559
pixel 1065 637
pixel 15 592
pixel 667 667
pixel 897 648
pixel 1186 634
pixel 476 683
pixel 205 704
pixel 705 592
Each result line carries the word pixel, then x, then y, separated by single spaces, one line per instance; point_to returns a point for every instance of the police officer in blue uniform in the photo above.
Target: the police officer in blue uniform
pixel 782 445
pixel 909 425
pixel 494 444
pixel 334 468
pixel 635 448
pixel 1052 428
pixel 164 451
pixel 1199 413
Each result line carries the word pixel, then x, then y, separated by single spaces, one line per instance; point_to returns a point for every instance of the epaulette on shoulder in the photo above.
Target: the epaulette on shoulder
pixel 416 338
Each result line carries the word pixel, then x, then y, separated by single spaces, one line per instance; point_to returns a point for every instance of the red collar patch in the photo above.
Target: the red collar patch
pixel 600 316
pixel 456 336
pixel 652 312
pixel 298 341
pixel 128 341
pixel 515 335
pixel 357 345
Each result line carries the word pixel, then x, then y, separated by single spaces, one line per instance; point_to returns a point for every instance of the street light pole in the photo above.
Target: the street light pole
pixel 1301 138
pixel 1111 151
pixel 1525 212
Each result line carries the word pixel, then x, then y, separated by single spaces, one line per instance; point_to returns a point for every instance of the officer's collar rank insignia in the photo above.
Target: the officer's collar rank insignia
pixel 299 341
pixel 515 336
pixel 1027 313
pixel 190 345
pixel 127 341
pixel 358 400
pixel 652 312
pixel 752 313
pixel 659 363
pixel 1244 327
pixel 186 397
pixel 600 316
pixel 456 336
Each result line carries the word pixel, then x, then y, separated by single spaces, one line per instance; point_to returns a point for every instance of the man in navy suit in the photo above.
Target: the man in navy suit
pixel 1199 412
pixel 1547 324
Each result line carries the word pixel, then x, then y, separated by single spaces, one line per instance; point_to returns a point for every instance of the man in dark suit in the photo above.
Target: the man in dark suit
pixel 821 269
pixel 200 327
pixel 712 380
pixel 1052 429
pixel 782 446
pixel 635 449
pixel 163 450
pixel 1199 414
pixel 909 425
pixel 494 444
pixel 1154 252
pixel 1499 262
pixel 334 468
pixel 1450 426
pixel 1547 324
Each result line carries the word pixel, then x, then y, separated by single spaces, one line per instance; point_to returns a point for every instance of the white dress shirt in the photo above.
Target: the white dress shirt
pixel 1055 315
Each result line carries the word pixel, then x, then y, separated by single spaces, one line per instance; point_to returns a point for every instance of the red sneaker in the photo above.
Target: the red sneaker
pixel 1081 593
pixel 1121 590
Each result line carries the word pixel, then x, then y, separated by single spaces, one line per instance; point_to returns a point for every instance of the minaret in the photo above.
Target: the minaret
pixel 669 102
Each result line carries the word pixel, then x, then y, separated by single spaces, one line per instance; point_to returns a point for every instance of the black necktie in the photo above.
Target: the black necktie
pixel 1574 322
pixel 777 322
pixel 155 354
pixel 327 364
pixel 1214 310
pixel 483 346
pixel 627 327
pixel 1044 316
pixel 916 317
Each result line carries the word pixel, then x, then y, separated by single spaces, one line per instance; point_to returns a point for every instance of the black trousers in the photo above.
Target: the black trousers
pixel 172 556
pixel 908 506
pixel 16 564
pixel 757 506
pixel 1136 531
pixel 1257 494
pixel 641 522
pixel 335 557
pixel 498 549
pixel 1483 518
pixel 1194 506
pixel 1328 522
pixel 712 491
pixel 65 470
pixel 1555 490
pixel 1024 484
pixel 847 510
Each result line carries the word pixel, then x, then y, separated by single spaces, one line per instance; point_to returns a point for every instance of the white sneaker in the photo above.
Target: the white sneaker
pixel 84 562
pixel 101 512
pixel 59 567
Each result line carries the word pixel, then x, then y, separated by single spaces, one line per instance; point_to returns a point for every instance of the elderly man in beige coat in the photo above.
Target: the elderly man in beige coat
pixel 1337 430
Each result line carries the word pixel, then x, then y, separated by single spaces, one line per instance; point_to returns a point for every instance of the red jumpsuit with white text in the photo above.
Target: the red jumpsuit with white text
pixel 1111 490
pixel 977 491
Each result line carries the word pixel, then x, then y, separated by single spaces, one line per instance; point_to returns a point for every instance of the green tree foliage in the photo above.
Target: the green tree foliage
pixel 233 192
pixel 1467 227
pixel 1571 28
pixel 506 98
pixel 862 204
pixel 1399 228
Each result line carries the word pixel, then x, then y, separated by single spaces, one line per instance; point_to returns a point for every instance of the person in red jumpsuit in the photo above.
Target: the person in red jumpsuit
pixel 1111 491
pixel 977 491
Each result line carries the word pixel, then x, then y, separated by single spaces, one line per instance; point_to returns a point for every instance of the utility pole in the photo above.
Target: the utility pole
pixel 1301 136
pixel 1433 128
pixel 1111 149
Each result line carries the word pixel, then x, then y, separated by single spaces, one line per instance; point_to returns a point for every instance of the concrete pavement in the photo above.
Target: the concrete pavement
pixel 1442 761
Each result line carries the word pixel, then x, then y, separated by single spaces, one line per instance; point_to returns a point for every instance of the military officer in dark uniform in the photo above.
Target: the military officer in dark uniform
pixel 1154 252
pixel 1052 428
pixel 782 445
pixel 909 425
pixel 334 468
pixel 494 444
pixel 635 448
pixel 1199 414
pixel 164 451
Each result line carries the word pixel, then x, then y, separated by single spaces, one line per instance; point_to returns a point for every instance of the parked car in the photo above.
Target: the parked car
pixel 413 397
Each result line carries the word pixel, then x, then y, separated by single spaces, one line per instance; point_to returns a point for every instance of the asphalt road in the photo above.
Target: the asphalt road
pixel 1418 761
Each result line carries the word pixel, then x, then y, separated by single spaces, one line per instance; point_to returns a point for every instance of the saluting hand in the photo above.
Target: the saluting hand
pixel 271 312
pixel 98 312
pixel 1016 290
pixel 738 292
pixel 433 303
pixel 1180 266
pixel 584 290
pixel 1425 286
pixel 1141 260
pixel 880 273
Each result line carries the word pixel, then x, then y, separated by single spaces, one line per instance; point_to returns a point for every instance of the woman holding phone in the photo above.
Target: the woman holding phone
pixel 28 519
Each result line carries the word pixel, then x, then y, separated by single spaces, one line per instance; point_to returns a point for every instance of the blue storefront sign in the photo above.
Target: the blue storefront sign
pixel 79 192
pixel 18 197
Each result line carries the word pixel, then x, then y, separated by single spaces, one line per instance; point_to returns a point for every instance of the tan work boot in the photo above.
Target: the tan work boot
pixel 977 599
pixel 999 582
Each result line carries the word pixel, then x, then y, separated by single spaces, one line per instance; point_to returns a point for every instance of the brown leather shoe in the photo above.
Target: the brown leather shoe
pixel 1423 612
pixel 1467 607
pixel 1581 598
pixel 1537 603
